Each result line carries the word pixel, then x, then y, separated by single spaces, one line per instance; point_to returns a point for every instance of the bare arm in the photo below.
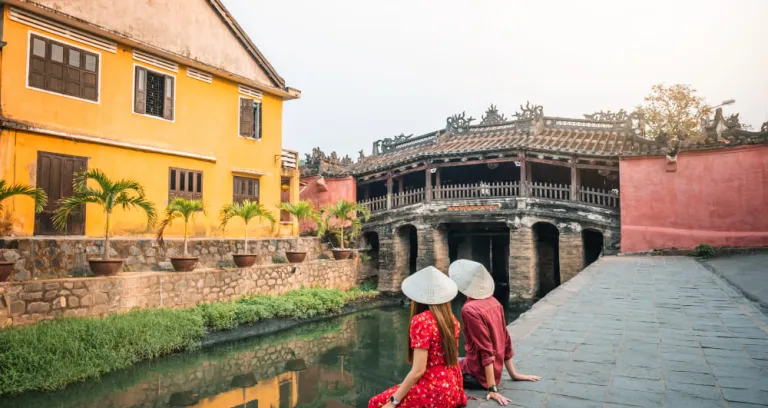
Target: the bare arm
pixel 417 370
pixel 517 376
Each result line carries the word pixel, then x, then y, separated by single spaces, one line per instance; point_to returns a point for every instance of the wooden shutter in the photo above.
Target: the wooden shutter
pixel 140 91
pixel 246 117
pixel 168 98
pixel 55 67
pixel 73 62
pixel 37 62
pixel 90 72
pixel 257 115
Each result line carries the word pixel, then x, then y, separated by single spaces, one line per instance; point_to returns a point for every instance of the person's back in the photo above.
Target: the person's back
pixel 486 338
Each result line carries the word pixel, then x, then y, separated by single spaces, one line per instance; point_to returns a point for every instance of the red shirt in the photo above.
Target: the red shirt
pixel 486 338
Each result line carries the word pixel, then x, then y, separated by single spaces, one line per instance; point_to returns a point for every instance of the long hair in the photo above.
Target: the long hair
pixel 444 317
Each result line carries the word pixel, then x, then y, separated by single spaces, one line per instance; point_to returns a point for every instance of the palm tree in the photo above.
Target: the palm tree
pixel 303 210
pixel 345 211
pixel 180 208
pixel 246 210
pixel 7 191
pixel 125 194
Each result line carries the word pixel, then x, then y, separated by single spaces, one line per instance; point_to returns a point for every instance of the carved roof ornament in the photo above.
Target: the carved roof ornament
pixel 636 123
pixel 733 122
pixel 318 156
pixel 764 128
pixel 459 123
pixel 361 156
pixel 608 116
pixel 390 143
pixel 492 116
pixel 530 111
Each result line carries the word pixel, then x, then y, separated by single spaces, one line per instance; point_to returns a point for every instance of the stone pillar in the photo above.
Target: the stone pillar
pixel 387 262
pixel 437 182
pixel 389 191
pixel 571 254
pixel 426 256
pixel 522 259
pixel 442 257
pixel 575 180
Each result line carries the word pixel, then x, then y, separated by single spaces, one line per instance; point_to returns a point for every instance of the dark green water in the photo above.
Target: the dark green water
pixel 336 363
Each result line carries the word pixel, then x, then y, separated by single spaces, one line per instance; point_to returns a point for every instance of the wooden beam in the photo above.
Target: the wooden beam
pixel 473 162
pixel 547 161
pixel 389 190
pixel 361 181
pixel 524 178
pixel 597 167
pixel 428 179
pixel 575 182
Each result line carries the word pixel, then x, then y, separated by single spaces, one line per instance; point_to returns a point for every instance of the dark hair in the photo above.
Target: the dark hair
pixel 445 325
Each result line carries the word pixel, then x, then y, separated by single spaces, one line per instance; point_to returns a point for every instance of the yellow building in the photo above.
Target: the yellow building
pixel 172 94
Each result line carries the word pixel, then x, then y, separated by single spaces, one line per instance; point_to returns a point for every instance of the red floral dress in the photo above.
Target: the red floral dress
pixel 440 386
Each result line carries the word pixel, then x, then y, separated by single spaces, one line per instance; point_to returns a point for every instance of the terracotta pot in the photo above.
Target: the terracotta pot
pixel 184 264
pixel 244 260
pixel 103 267
pixel 295 257
pixel 341 254
pixel 6 270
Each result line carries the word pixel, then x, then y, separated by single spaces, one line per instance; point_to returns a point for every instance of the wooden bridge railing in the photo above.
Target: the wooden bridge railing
pixel 408 197
pixel 477 190
pixel 594 196
pixel 551 191
pixel 375 204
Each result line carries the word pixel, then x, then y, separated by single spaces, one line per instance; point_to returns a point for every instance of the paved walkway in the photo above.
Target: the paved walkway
pixel 641 331
pixel 749 273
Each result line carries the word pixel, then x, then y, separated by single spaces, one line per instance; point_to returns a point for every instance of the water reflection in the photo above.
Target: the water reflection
pixel 336 363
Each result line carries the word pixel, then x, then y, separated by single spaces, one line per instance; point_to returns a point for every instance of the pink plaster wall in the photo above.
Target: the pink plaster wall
pixel 717 197
pixel 337 189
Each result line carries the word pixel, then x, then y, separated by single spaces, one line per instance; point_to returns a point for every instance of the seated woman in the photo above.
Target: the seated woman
pixel 435 379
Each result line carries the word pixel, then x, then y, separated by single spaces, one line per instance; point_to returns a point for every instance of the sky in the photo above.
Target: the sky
pixel 372 70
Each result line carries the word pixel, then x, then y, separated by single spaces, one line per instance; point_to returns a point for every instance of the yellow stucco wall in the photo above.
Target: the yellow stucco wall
pixel 206 123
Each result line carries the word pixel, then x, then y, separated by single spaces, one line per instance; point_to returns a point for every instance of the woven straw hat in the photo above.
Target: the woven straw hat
pixel 472 279
pixel 429 286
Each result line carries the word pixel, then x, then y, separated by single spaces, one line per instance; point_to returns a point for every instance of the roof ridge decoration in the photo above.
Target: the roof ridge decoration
pixel 458 124
pixel 530 112
pixel 608 116
pixel 764 128
pixel 492 116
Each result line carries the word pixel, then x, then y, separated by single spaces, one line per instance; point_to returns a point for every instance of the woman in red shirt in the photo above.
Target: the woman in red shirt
pixel 435 379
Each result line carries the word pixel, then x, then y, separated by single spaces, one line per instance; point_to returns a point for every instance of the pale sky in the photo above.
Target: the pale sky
pixel 370 70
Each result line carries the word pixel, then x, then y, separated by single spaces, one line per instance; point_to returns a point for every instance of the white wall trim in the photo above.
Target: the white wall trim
pixel 248 172
pixel 150 59
pixel 103 141
pixel 42 23
pixel 199 75
pixel 253 93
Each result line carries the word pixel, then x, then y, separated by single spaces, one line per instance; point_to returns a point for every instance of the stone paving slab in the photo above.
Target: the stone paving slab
pixel 748 272
pixel 640 332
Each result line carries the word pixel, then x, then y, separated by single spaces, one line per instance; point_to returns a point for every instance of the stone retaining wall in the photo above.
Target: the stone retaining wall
pixel 59 257
pixel 23 303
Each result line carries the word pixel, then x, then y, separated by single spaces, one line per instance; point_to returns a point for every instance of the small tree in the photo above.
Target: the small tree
pixel 180 208
pixel 37 194
pixel 345 211
pixel 673 109
pixel 246 210
pixel 303 210
pixel 125 194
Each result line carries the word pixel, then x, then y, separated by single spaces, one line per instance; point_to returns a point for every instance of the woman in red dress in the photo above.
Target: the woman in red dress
pixel 435 379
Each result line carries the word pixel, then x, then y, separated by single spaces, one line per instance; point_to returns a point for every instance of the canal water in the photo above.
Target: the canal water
pixel 335 363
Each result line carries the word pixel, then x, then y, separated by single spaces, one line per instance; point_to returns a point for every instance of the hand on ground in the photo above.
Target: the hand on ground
pixel 523 377
pixel 502 400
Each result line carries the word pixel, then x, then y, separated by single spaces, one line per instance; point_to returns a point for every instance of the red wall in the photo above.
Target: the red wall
pixel 337 189
pixel 717 197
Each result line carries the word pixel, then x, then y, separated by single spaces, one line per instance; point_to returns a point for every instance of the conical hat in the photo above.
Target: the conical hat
pixel 472 279
pixel 429 286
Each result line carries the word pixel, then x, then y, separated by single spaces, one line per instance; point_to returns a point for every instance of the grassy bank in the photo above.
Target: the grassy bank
pixel 49 355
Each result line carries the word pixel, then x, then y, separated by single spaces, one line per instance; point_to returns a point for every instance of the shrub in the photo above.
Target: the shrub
pixel 704 250
pixel 368 286
pixel 51 354
pixel 277 259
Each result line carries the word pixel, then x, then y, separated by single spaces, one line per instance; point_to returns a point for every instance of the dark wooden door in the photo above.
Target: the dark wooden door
pixel 55 174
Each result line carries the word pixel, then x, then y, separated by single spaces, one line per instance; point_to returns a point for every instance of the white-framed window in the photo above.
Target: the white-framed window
pixel 154 93
pixel 250 118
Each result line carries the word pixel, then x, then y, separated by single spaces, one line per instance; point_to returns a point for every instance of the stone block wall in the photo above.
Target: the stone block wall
pixel 59 257
pixel 27 302
pixel 571 254
pixel 522 258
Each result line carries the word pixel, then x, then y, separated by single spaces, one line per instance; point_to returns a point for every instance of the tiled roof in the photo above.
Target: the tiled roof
pixel 618 136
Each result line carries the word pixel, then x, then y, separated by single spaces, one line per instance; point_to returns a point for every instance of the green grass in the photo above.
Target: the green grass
pixel 51 354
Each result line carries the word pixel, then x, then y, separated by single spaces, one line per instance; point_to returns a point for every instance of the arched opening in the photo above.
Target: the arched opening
pixel 486 243
pixel 547 238
pixel 593 245
pixel 371 248
pixel 407 250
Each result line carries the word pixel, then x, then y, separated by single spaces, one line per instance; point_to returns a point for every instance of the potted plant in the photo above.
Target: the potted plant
pixel 8 191
pixel 345 211
pixel 186 209
pixel 246 210
pixel 110 195
pixel 303 210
